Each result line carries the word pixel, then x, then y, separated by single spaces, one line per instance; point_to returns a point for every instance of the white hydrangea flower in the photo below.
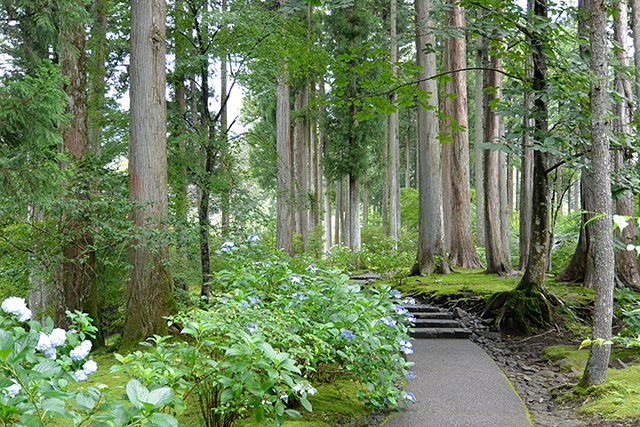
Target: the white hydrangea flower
pixel 81 351
pixel 90 367
pixel 44 343
pixel 296 279
pixel 81 375
pixel 58 337
pixel 17 307
pixel 50 353
pixel 13 389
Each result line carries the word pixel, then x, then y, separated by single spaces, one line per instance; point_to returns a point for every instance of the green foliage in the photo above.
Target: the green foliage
pixel 274 328
pixel 39 366
pixel 31 108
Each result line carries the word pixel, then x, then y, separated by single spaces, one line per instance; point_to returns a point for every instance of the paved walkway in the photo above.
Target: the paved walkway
pixel 458 385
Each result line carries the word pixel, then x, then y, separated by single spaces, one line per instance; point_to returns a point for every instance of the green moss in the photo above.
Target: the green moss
pixel 569 352
pixel 472 282
pixel 618 398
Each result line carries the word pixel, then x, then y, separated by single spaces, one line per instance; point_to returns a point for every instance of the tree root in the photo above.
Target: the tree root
pixel 519 312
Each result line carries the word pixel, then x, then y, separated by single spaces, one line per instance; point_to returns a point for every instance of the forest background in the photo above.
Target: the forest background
pixel 358 118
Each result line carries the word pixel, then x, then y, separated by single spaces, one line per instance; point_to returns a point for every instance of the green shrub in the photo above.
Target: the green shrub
pixel 274 327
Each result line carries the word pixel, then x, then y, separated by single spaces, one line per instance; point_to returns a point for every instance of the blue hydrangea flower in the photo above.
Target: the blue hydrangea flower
pixel 254 299
pixel 411 318
pixel 406 347
pixel 347 334
pixel 328 252
pixel 226 246
pixel 299 295
pixel 388 321
pixel 253 238
pixel 50 353
pixel 296 279
pixel 251 328
pixel 409 396
pixel 410 375
pixel 401 310
pixel 224 299
pixel 396 293
pixel 244 303
pixel 409 301
pixel 312 268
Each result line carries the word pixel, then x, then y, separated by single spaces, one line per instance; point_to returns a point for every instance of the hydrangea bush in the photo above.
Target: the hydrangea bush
pixel 39 363
pixel 272 330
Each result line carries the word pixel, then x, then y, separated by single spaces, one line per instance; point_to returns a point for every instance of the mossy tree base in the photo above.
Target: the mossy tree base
pixel 519 312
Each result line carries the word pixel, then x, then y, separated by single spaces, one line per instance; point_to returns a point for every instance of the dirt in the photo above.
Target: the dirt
pixel 543 386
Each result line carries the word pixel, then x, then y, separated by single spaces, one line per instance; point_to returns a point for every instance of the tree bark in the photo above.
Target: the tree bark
pixel 481 61
pixel 149 296
pixel 462 252
pixel 97 75
pixel 385 183
pixel 78 272
pixel 496 264
pixel 581 267
pixel 635 26
pixel 394 142
pixel 284 208
pixel 354 213
pixel 602 230
pixel 627 274
pixel 431 255
pixel 327 216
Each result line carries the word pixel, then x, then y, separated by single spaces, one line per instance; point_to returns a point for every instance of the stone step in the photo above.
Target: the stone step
pixel 432 333
pixel 423 309
pixel 436 323
pixel 433 315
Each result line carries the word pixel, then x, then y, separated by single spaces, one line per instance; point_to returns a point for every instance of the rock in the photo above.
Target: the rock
pixel 489 334
pixel 528 368
pixel 617 364
pixel 460 313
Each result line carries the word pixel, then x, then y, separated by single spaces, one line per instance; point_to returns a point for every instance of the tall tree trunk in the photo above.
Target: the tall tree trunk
pixel 97 75
pixel 327 216
pixel 78 273
pixel 431 255
pixel 462 252
pixel 581 266
pixel 627 274
pixel 504 208
pixel 149 297
pixel 481 61
pixel 339 210
pixel 602 230
pixel 394 142
pixel 346 212
pixel 496 264
pixel 526 177
pixel 407 162
pixel 354 214
pixel 365 202
pixel 635 27
pixel 385 183
pixel 284 208
pixel 224 142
